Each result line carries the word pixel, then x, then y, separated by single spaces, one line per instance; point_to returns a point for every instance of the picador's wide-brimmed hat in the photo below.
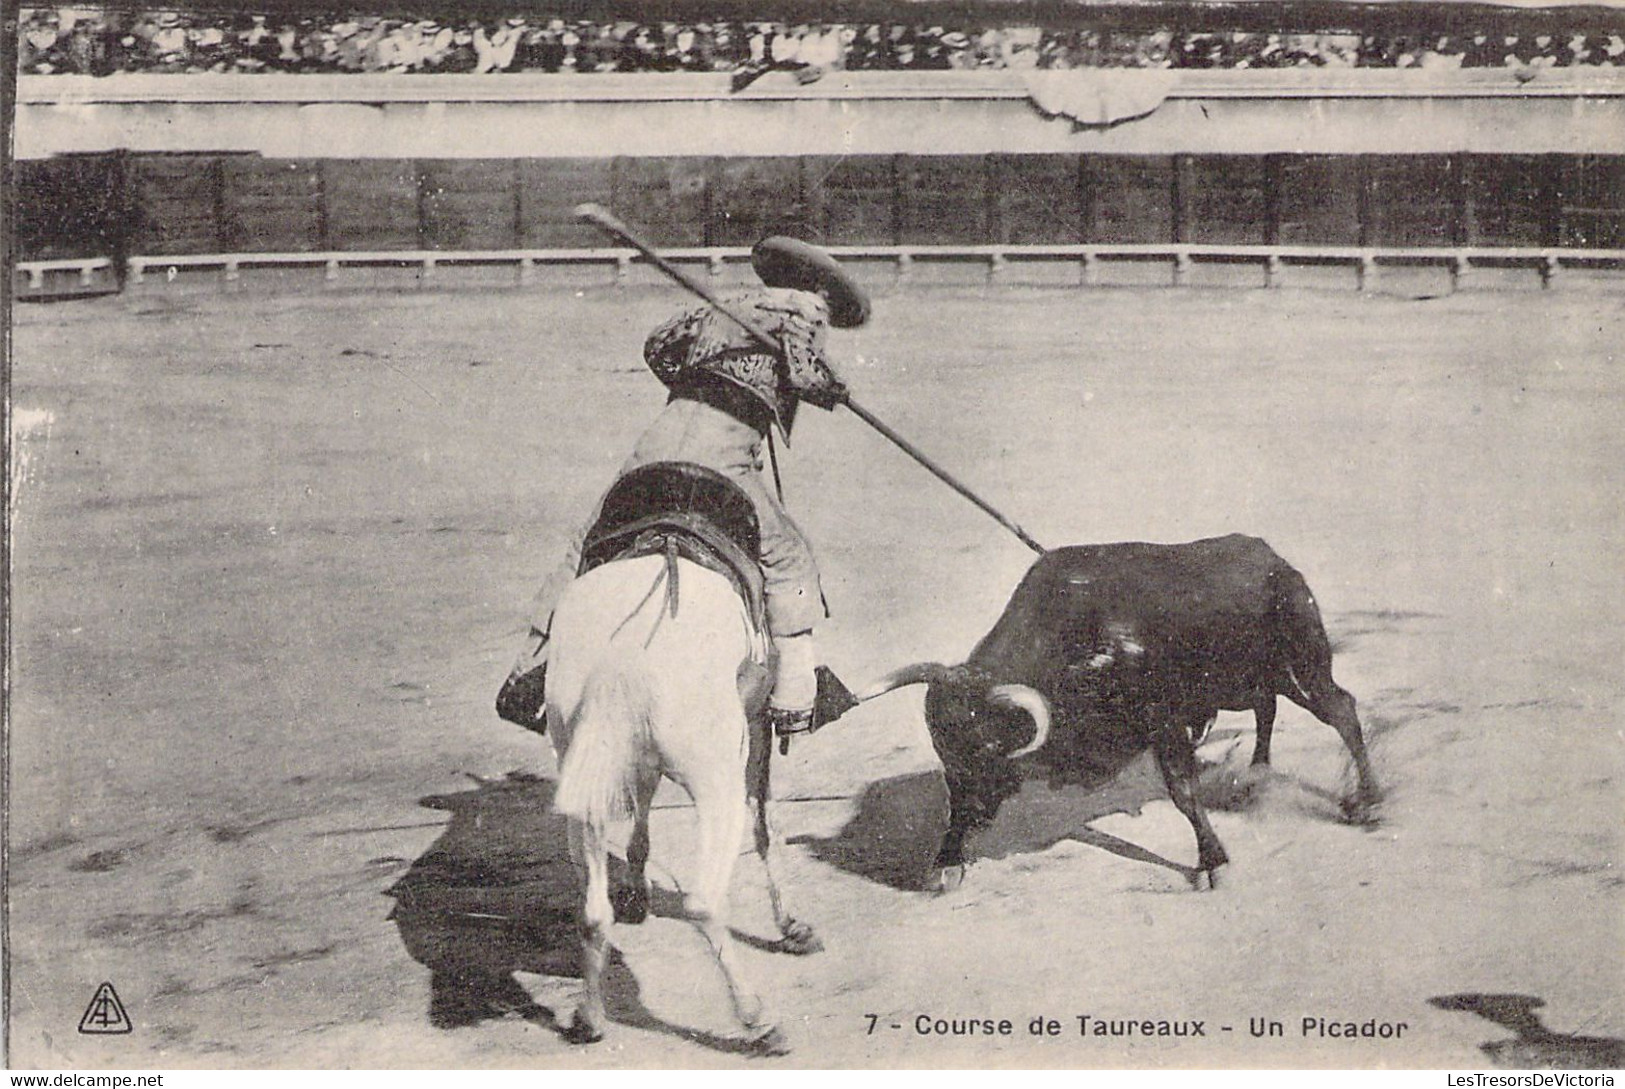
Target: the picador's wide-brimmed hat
pixel 789 262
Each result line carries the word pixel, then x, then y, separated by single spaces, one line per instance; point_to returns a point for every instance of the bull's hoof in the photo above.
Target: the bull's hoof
pixel 631 905
pixel 799 939
pixel 766 1042
pixel 583 1030
pixel 948 879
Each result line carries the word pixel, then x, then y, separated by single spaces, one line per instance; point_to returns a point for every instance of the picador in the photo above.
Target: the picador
pixel 728 392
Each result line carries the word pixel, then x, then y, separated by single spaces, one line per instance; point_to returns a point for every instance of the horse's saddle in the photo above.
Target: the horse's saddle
pixel 682 510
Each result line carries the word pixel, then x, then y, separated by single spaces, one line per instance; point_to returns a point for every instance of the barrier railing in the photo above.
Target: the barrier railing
pixel 86 267
pixel 1090 257
pixel 1184 256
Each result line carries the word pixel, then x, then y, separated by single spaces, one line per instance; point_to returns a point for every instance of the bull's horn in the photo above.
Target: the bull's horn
pixel 918 673
pixel 1032 701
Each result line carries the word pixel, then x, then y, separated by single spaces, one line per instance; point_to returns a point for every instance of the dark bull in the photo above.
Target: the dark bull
pixel 1130 647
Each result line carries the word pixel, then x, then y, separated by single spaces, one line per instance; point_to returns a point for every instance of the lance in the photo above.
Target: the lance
pixel 606 221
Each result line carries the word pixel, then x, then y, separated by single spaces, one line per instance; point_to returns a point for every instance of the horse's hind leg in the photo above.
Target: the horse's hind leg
pixel 592 858
pixel 722 823
pixel 796 936
pixel 632 901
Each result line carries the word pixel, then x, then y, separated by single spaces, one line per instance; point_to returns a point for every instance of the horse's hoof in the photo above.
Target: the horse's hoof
pixel 631 905
pixel 1360 812
pixel 798 939
pixel 767 1042
pixel 1212 875
pixel 583 1030
pixel 949 878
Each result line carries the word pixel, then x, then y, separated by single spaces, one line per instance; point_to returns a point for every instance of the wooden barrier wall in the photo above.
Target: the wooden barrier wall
pixel 121 203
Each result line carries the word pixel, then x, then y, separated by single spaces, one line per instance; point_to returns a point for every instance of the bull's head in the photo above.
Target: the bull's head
pixel 967 711
pixel 979 730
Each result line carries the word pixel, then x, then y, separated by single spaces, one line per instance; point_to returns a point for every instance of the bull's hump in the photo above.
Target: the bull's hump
pixel 1193 563
pixel 1228 546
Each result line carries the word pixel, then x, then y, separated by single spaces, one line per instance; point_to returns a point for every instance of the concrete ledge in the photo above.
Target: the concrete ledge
pixel 1302 111
pixel 330 88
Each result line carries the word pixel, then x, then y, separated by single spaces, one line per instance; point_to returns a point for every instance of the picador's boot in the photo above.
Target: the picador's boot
pixel 522 699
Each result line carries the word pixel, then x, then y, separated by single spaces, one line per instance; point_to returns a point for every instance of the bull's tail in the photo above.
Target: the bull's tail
pixel 610 728
pixel 1298 621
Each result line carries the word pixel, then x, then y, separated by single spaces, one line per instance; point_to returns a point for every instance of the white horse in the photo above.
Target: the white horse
pixel 648 661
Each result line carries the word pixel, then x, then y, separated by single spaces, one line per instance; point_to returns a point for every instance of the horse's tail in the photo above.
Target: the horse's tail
pixel 611 727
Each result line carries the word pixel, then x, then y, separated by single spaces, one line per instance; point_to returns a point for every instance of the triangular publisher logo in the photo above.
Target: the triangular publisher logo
pixel 105 1014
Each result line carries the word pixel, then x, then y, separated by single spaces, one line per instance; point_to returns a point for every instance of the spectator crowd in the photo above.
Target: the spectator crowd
pixel 102 42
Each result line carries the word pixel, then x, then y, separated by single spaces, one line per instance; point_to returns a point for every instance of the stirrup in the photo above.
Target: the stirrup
pixel 834 699
pixel 787 723
pixel 790 724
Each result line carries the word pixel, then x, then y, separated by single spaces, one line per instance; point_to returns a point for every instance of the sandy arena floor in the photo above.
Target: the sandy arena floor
pixel 272 554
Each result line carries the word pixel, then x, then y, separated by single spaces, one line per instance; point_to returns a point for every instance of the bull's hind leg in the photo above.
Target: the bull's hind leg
pixel 1176 759
pixel 1333 705
pixel 592 859
pixel 722 824
pixel 795 936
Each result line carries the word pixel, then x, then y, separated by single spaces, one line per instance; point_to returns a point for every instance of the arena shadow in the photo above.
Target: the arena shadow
pixel 893 836
pixel 496 894
pixel 1535 1046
